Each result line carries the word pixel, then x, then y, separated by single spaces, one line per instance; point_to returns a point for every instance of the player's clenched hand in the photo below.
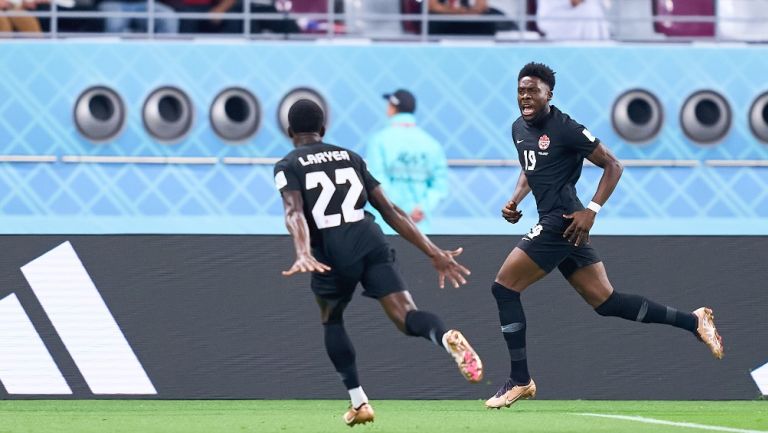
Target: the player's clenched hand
pixel 306 263
pixel 510 212
pixel 581 223
pixel 448 267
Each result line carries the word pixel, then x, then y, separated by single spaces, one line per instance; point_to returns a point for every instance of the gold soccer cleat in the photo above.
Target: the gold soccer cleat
pixel 510 393
pixel 707 332
pixel 466 358
pixel 361 415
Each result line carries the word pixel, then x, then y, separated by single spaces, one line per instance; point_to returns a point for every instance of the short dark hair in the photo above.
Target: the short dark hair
pixel 540 71
pixel 305 116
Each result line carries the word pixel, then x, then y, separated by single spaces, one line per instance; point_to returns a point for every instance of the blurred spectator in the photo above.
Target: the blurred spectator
pixel 572 19
pixel 281 25
pixel 210 25
pixel 18 23
pixel 118 24
pixel 465 8
pixel 409 163
pixel 315 24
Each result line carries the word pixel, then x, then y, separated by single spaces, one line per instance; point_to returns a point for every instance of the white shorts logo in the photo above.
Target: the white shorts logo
pixel 535 231
pixel 83 322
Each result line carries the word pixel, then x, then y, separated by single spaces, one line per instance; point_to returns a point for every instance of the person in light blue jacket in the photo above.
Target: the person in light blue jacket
pixel 409 163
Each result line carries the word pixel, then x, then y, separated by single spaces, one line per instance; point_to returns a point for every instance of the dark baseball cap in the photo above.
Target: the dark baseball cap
pixel 402 99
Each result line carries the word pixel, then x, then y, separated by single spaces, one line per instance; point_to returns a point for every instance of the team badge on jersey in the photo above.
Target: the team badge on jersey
pixel 544 142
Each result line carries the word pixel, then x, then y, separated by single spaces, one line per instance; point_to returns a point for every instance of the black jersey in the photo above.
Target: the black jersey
pixel 551 153
pixel 334 183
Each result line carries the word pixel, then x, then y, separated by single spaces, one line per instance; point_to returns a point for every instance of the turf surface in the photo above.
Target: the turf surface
pixel 78 416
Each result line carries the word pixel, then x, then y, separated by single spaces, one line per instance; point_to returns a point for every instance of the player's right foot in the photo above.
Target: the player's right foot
pixel 510 393
pixel 361 415
pixel 465 356
pixel 707 332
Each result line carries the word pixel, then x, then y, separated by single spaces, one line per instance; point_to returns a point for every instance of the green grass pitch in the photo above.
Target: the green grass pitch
pixel 318 416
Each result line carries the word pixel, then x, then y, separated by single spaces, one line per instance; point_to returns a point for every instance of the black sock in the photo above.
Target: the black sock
pixel 513 326
pixel 342 353
pixel 425 324
pixel 641 309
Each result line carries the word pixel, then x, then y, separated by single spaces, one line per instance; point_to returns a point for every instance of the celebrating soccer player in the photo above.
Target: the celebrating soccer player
pixel 551 148
pixel 324 189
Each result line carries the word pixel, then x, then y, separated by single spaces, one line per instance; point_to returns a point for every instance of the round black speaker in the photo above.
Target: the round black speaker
pixel 637 116
pixel 705 117
pixel 167 114
pixel 235 114
pixel 758 117
pixel 99 114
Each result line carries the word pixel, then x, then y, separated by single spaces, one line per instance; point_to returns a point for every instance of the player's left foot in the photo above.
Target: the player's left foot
pixel 362 415
pixel 707 332
pixel 509 393
pixel 466 358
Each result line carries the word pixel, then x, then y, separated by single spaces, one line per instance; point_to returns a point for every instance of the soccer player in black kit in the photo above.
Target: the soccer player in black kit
pixel 551 148
pixel 324 189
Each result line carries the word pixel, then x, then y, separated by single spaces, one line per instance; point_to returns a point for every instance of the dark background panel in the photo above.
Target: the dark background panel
pixel 211 317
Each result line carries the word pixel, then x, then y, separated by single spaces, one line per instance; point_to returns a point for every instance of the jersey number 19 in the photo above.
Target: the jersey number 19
pixel 328 188
pixel 530 159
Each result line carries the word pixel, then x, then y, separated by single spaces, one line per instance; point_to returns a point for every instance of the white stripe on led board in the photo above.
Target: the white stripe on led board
pixel 26 366
pixel 85 325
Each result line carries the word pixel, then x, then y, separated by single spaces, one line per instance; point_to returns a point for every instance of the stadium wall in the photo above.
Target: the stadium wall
pixel 466 95
pixel 210 317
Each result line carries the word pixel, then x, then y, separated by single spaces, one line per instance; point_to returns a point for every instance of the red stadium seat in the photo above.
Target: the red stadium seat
pixel 411 7
pixel 530 9
pixel 300 6
pixel 682 8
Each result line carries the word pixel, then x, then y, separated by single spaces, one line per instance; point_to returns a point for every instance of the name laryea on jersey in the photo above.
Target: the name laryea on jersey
pixel 323 172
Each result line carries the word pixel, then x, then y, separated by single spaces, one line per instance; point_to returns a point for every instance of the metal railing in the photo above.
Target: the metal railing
pixel 353 21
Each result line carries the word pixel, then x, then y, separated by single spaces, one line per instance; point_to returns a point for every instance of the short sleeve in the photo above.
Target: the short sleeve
pixel 285 177
pixel 580 139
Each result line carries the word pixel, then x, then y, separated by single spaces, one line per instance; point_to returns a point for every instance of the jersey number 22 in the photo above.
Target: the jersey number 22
pixel 343 175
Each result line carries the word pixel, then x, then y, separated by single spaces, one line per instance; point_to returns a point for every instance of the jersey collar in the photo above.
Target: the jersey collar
pixel 403 120
pixel 539 122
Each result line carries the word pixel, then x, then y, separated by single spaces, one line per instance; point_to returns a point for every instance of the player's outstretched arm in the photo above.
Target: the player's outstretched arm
pixel 509 211
pixel 442 260
pixel 582 221
pixel 293 205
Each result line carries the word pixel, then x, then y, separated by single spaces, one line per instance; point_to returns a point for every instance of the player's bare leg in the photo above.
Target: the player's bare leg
pixel 593 285
pixel 516 274
pixel 342 354
pixel 401 309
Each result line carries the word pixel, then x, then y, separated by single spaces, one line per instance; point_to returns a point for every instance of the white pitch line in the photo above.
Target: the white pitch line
pixel 672 423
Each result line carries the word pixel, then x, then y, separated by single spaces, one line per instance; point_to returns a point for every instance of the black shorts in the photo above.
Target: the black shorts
pixel 548 248
pixel 376 270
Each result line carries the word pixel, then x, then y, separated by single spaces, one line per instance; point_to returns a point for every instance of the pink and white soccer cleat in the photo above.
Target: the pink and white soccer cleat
pixel 466 358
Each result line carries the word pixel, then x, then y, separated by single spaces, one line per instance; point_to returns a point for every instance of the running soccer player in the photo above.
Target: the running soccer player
pixel 551 148
pixel 324 189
